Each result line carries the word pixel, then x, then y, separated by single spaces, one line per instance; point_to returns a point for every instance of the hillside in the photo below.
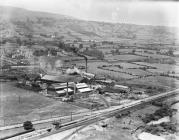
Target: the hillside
pixel 21 23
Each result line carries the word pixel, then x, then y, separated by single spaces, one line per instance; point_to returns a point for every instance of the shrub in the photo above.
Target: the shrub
pixel 28 125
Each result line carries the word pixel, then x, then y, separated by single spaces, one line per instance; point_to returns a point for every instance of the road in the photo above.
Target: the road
pixel 105 113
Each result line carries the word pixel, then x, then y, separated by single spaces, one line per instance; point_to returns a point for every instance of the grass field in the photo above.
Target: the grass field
pixel 155 56
pixel 126 65
pixel 161 68
pixel 127 57
pixel 93 68
pixel 19 105
pixel 137 72
pixel 156 81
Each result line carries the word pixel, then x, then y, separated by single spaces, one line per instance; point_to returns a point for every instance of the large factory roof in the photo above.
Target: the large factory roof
pixel 62 78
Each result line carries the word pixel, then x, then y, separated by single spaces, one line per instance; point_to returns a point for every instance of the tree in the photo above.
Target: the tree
pixel 93 46
pixel 170 52
pixel 61 45
pixel 53 52
pixel 80 46
pixel 112 51
pixel 117 51
pixel 18 41
pixel 133 51
pixel 28 125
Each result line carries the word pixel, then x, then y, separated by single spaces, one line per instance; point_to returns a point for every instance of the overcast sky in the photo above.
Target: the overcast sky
pixel 122 11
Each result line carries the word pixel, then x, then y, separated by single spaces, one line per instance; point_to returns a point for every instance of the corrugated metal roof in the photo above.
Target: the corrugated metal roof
pixel 121 86
pixel 61 78
pixel 81 85
pixel 61 85
pixel 64 91
pixel 85 90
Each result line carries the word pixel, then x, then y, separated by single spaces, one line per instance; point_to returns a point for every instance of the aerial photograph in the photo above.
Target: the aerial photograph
pixel 89 70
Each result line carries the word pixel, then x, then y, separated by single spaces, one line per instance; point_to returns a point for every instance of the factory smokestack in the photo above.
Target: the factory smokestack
pixel 86 60
pixel 81 55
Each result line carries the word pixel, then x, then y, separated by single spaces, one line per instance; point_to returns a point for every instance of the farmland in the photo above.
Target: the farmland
pixel 160 68
pixel 142 63
pixel 143 69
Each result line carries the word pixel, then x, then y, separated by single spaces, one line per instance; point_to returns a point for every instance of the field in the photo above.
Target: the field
pixel 105 50
pixel 134 72
pixel 126 65
pixel 160 68
pixel 19 105
pixel 155 81
pixel 127 57
pixel 93 67
pixel 155 56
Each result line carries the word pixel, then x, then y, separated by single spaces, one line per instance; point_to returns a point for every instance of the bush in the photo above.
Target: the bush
pixel 28 125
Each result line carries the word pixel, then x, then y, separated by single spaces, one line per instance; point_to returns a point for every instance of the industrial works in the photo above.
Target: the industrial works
pixel 65 78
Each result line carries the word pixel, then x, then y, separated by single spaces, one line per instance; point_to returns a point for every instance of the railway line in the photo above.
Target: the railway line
pixel 105 113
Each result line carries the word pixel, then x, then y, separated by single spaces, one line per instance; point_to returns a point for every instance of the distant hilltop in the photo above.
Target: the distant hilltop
pixel 18 22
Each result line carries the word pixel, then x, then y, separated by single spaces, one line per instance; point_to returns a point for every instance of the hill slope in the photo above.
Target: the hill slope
pixel 20 22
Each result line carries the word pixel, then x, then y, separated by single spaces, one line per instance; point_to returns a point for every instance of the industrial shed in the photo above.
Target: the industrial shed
pixel 60 85
pixel 63 78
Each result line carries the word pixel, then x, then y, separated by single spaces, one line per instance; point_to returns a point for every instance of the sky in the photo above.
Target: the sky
pixel 153 12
